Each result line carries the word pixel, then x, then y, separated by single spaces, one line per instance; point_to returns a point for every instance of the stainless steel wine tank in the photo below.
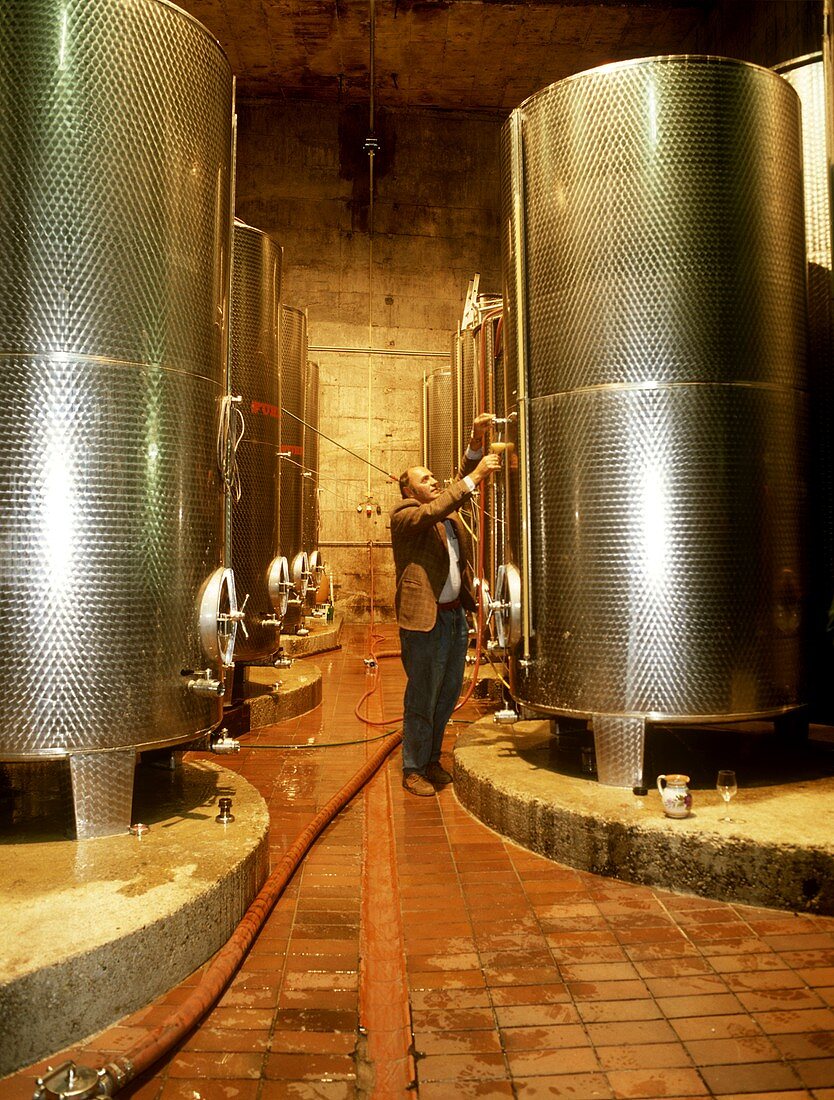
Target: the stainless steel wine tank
pixel 293 353
pixel 261 575
pixel 655 307
pixel 115 154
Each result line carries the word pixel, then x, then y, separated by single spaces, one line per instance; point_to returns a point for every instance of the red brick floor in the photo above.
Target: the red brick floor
pixel 525 978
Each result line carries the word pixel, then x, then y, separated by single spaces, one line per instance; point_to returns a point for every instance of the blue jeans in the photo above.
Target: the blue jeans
pixel 434 663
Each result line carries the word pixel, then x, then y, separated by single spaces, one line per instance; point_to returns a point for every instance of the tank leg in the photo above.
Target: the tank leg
pixel 619 744
pixel 102 792
pixel 792 727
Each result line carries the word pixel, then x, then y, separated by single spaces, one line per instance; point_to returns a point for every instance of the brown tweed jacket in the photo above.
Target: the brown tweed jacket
pixel 421 556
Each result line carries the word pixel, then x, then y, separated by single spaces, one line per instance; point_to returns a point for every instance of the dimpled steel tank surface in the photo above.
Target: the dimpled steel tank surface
pixel 115 152
pixel 256 294
pixel 806 75
pixel 653 254
pixel 438 430
pixel 293 350
pixel 310 478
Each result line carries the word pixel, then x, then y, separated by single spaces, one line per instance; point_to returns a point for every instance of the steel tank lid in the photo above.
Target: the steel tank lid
pixel 245 227
pixel 193 19
pixel 636 62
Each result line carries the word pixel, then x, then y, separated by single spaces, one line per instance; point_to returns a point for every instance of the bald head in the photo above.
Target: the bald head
pixel 419 483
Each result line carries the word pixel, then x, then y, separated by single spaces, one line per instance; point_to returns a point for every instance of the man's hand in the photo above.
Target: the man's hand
pixel 480 427
pixel 486 468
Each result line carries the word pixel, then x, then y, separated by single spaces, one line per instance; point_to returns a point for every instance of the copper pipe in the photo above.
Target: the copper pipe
pixel 225 963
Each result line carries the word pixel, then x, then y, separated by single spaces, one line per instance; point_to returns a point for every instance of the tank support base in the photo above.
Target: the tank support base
pixel 619 744
pixel 102 792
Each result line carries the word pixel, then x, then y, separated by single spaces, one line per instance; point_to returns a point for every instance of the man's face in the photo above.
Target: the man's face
pixel 422 484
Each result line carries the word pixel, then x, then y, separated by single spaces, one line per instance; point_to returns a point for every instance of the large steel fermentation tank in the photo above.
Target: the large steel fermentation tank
pixel 806 76
pixel 115 155
pixel 655 303
pixel 477 387
pixel 456 368
pixel 310 480
pixel 488 344
pixel 438 426
pixel 293 355
pixel 261 575
pixel 467 396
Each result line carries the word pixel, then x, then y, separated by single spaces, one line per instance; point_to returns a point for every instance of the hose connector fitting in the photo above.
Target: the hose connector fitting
pixel 69 1081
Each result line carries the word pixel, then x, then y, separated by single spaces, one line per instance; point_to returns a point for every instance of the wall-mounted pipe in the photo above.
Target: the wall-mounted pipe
pixel 380 351
pixel 354 545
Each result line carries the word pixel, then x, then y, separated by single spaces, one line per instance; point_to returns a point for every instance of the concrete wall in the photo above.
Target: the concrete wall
pixel 302 175
pixel 765 32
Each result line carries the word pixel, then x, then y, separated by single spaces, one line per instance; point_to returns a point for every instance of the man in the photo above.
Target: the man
pixel 433 562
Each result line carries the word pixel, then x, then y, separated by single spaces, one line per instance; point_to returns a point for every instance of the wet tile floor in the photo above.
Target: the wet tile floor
pixel 524 978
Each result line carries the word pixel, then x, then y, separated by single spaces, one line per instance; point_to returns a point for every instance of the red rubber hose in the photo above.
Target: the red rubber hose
pixel 225 963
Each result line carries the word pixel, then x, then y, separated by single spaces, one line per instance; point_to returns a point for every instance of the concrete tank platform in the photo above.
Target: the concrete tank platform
pixel 322 637
pixel 778 849
pixel 95 929
pixel 277 694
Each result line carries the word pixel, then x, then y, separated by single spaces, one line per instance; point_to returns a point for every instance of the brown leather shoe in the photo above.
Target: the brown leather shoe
pixel 417 784
pixel 438 775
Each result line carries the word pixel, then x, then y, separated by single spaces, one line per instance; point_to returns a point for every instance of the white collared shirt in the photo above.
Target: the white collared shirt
pixel 451 589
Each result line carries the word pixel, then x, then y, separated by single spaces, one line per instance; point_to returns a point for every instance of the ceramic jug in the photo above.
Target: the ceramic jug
pixel 677 801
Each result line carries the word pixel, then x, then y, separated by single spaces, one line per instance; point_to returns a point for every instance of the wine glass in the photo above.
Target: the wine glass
pixel 726 786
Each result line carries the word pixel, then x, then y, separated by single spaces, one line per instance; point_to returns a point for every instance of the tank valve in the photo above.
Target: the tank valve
pixel 224 745
pixel 282 661
pixel 225 816
pixel 204 684
pixel 369 662
pixel 68 1082
pixel 272 621
pixel 505 717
